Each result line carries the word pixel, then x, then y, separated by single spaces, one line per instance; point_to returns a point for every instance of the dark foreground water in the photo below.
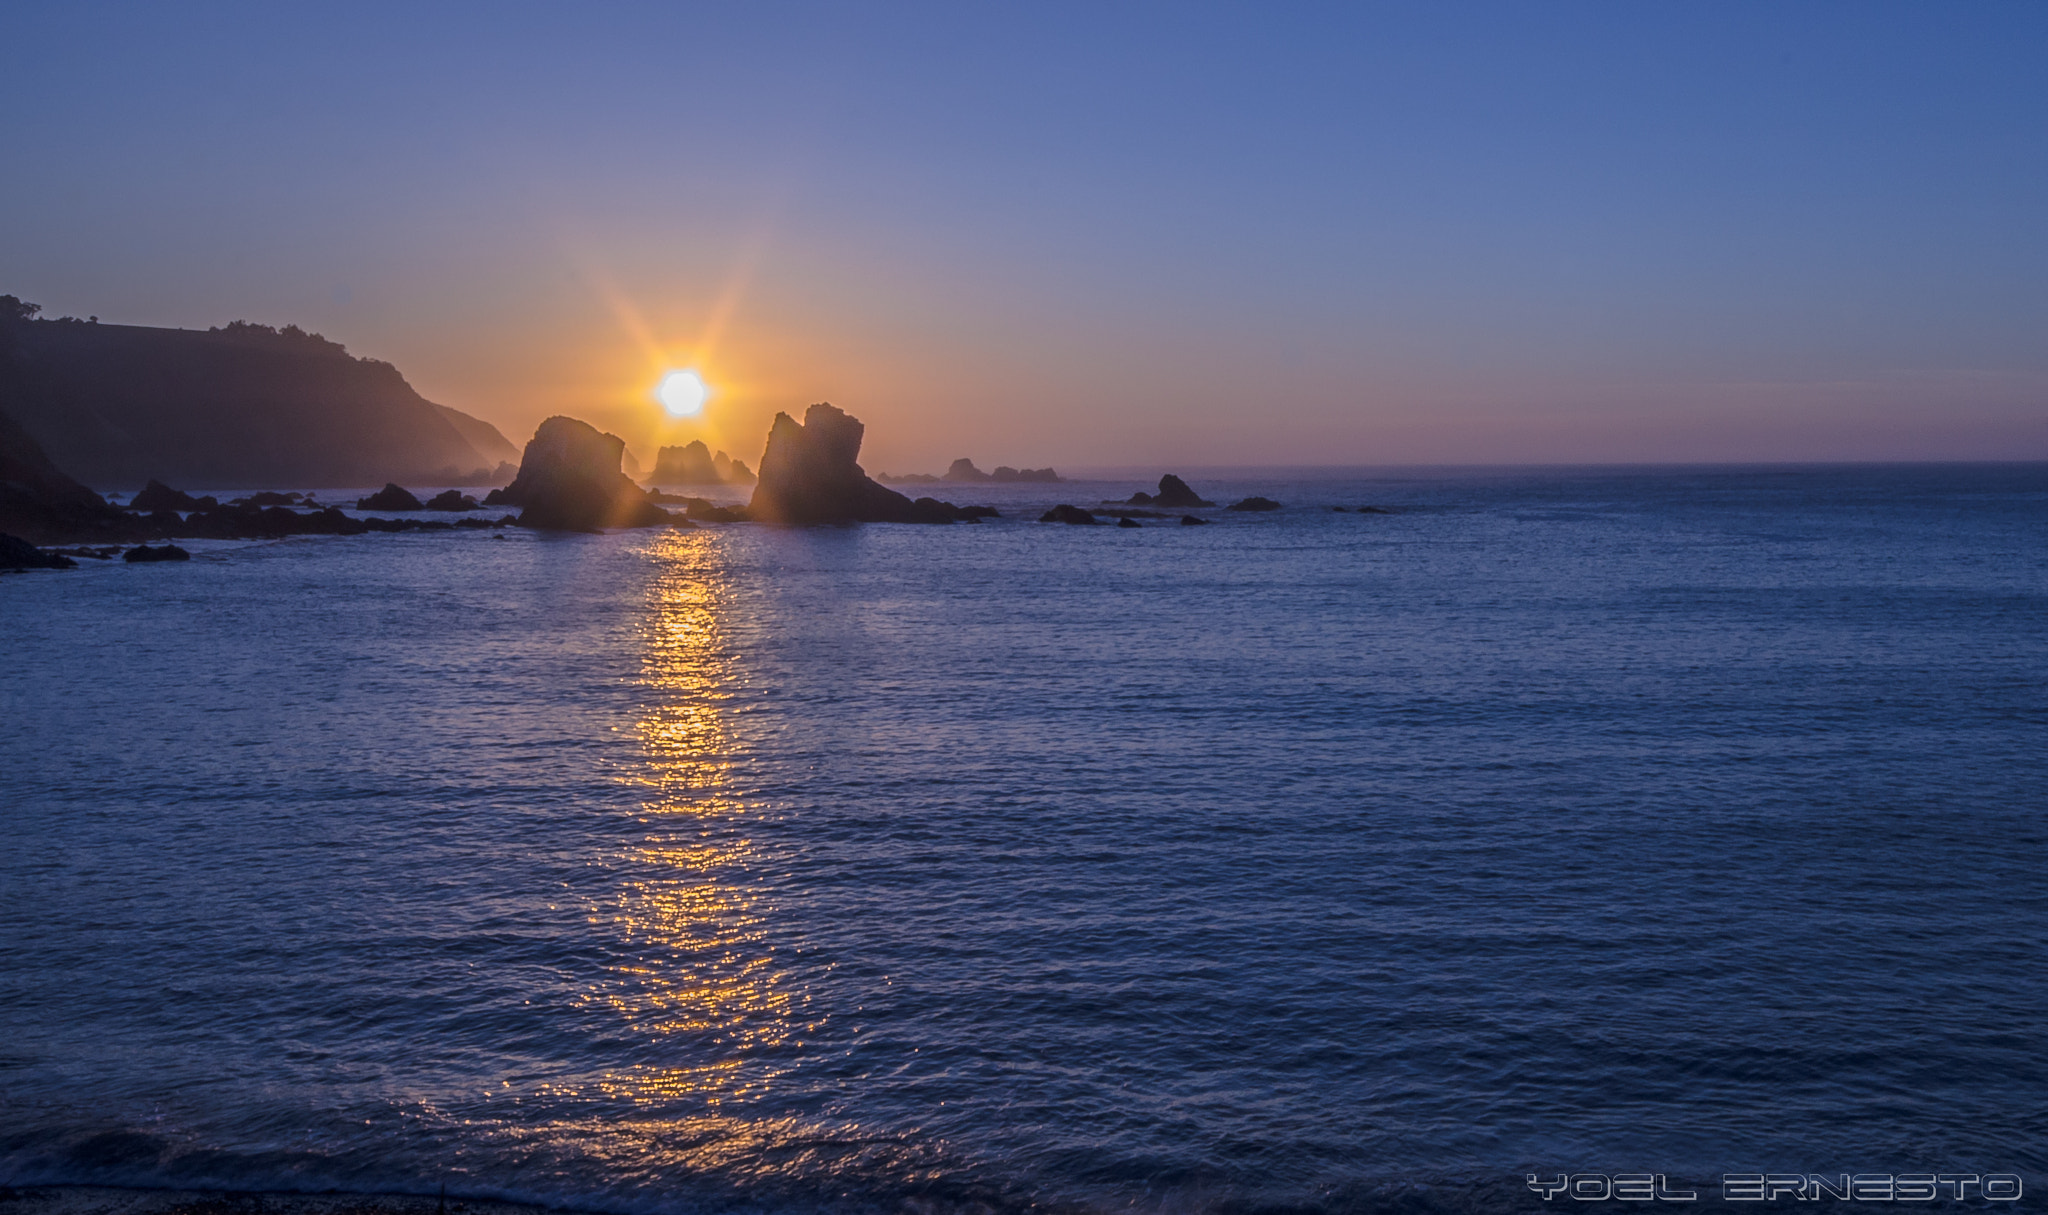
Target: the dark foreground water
pixel 1684 822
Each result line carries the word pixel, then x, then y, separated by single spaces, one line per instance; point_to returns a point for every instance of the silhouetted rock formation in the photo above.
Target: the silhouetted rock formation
pixel 1127 521
pixel 1192 521
pixel 1004 473
pixel 391 497
pixel 906 479
pixel 158 496
pixel 168 552
pixel 695 464
pixel 1173 494
pixel 452 499
pixel 569 479
pixel 39 503
pixel 809 475
pixel 245 405
pixel 1064 513
pixel 963 469
pixel 1254 503
pixel 1377 510
pixel 19 554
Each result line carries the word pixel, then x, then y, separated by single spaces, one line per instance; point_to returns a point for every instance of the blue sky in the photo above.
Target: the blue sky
pixel 1088 233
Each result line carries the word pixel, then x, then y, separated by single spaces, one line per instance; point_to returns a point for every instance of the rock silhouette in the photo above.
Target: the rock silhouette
pixel 963 469
pixel 157 496
pixel 569 480
pixel 1192 521
pixel 1174 493
pixel 695 464
pixel 1127 521
pixel 1254 503
pixel 810 475
pixel 1063 513
pixel 391 497
pixel 452 499
pixel 167 552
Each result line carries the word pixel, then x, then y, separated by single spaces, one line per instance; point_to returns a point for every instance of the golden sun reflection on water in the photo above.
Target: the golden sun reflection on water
pixel 698 967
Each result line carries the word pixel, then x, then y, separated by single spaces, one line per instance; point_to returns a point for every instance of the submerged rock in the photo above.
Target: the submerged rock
pixel 1192 521
pixel 391 497
pixel 1254 503
pixel 1064 513
pixel 168 552
pixel 810 475
pixel 1127 521
pixel 569 479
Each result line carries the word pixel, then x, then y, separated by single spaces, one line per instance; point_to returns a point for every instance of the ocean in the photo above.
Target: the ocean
pixel 1562 821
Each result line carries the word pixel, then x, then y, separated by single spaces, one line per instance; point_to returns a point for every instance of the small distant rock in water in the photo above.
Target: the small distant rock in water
pixel 1127 521
pixel 1064 513
pixel 979 512
pixel 453 499
pixel 391 497
pixel 1004 474
pixel 1254 503
pixel 165 552
pixel 1377 510
pixel 1341 510
pixel 1192 521
pixel 1174 493
pixel 267 498
pixel 963 469
pixel 570 480
pixel 157 496
pixel 19 554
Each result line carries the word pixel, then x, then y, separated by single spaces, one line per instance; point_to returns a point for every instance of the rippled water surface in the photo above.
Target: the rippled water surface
pixel 1687 821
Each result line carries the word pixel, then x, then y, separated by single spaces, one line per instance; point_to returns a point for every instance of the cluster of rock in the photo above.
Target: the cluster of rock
pixel 810 474
pixel 1173 494
pixel 695 464
pixel 1066 513
pixel 397 498
pixel 963 472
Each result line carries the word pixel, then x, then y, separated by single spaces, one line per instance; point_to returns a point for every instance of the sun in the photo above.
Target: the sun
pixel 682 393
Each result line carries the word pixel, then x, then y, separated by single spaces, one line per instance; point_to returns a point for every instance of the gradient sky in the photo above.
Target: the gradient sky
pixel 1087 234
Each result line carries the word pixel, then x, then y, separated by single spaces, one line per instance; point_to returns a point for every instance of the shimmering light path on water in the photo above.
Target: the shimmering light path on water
pixel 1679 821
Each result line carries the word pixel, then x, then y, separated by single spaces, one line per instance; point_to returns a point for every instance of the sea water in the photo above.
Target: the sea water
pixel 1560 821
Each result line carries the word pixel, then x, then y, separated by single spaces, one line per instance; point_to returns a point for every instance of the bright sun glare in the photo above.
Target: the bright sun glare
pixel 681 393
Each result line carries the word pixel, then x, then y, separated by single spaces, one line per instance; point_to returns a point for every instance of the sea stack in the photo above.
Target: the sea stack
pixel 695 464
pixel 809 474
pixel 569 479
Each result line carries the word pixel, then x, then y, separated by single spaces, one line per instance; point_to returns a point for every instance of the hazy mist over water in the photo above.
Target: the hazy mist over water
pixel 1682 820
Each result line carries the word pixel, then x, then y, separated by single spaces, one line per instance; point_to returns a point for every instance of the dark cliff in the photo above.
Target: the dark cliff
pixel 244 406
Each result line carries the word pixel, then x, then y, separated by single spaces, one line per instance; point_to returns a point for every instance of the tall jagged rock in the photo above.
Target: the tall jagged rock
pixel 569 478
pixel 810 474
